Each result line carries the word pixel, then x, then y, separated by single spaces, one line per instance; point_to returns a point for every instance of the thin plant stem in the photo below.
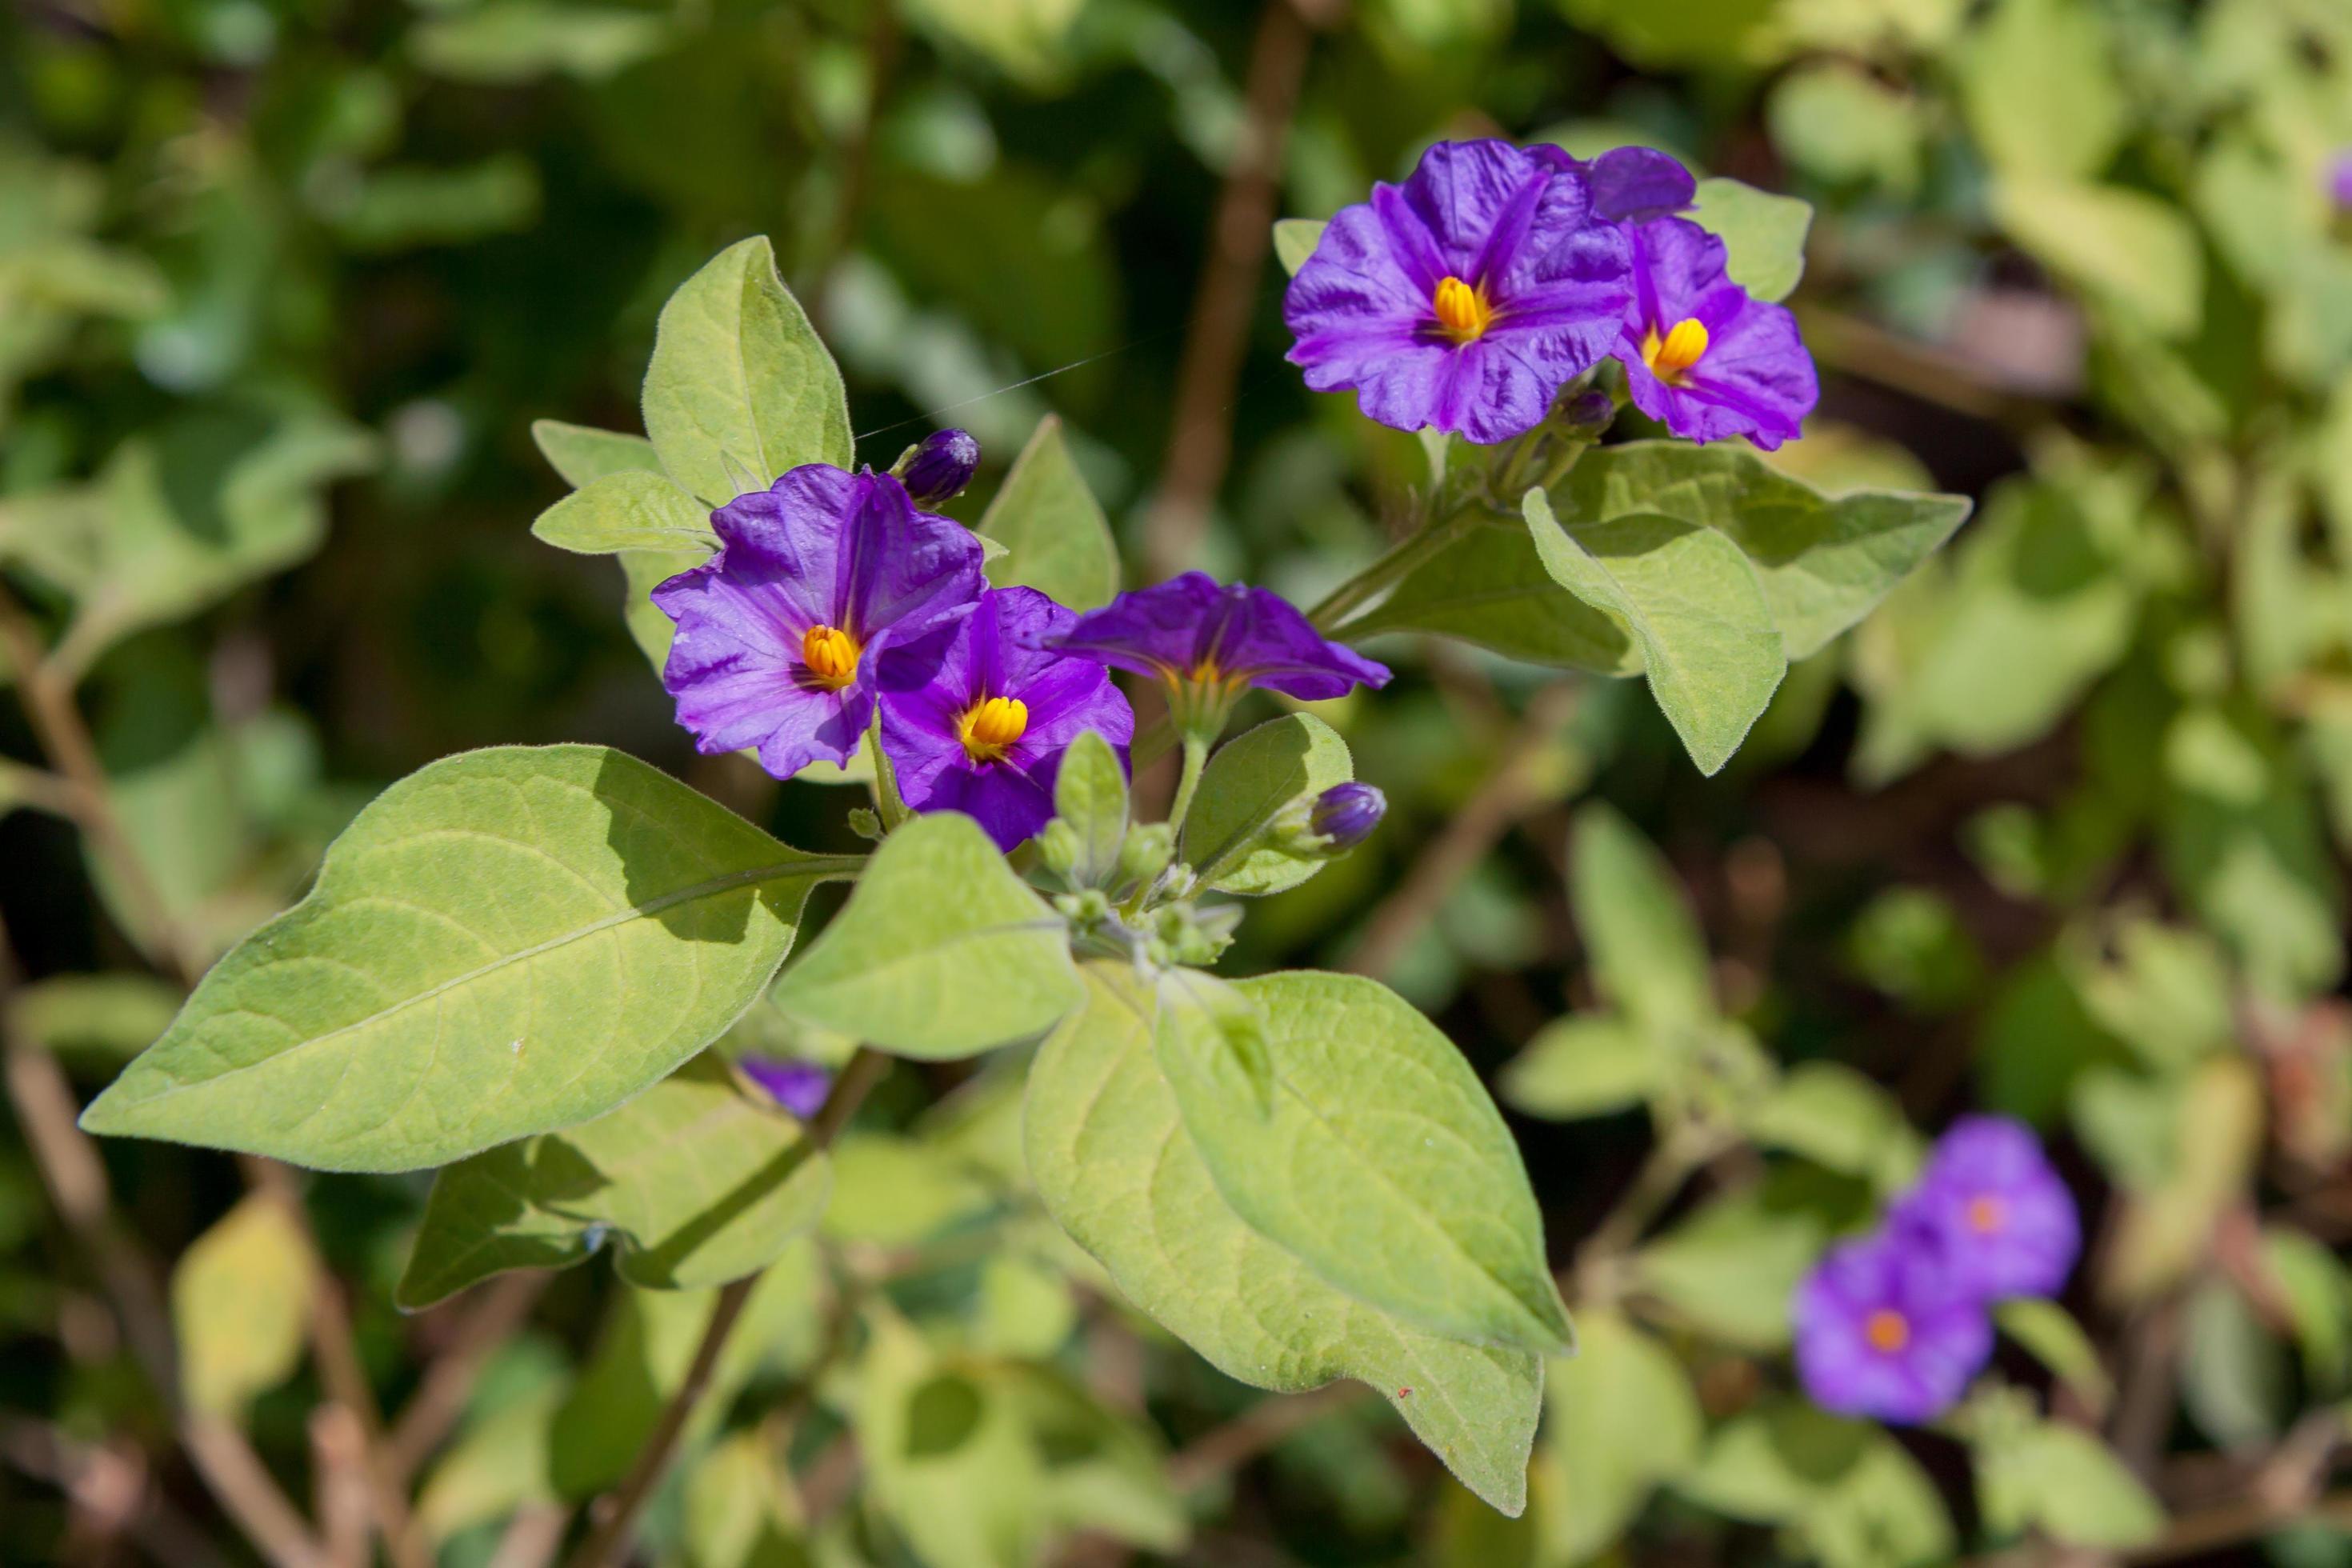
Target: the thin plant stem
pixel 608 1544
pixel 1196 757
pixel 887 800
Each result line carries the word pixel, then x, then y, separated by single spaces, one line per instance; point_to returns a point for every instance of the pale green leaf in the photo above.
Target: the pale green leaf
pixel 740 376
pixel 1213 1046
pixel 1730 1268
pixel 1646 949
pixel 742 1509
pixel 2127 250
pixel 1850 1492
pixel 626 511
pixel 1622 1416
pixel 1689 600
pixel 1117 1169
pixel 1090 794
pixel 1295 239
pixel 2039 87
pixel 506 942
pixel 942 951
pixel 1825 563
pixel 1248 783
pixel 1835 1117
pixel 1583 1066
pixel 1053 531
pixel 695 1181
pixel 2051 1336
pixel 1488 586
pixel 505 42
pixel 499 1466
pixel 1763 235
pixel 241 1299
pixel 2065 1481
pixel 897 1191
pixel 582 453
pixel 95 1017
pixel 1383 1165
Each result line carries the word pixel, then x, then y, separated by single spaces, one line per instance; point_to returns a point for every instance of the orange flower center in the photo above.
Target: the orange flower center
pixel 1669 356
pixel 989 729
pixel 1887 1330
pixel 1463 313
pixel 831 655
pixel 1986 1213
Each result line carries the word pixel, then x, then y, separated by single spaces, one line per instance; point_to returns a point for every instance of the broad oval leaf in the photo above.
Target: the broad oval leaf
pixel 631 510
pixel 1623 1417
pixel 241 1299
pixel 1689 600
pixel 1245 788
pixel 942 951
pixel 1382 1164
pixel 1642 939
pixel 739 377
pixel 699 1184
pixel 503 943
pixel 1488 586
pixel 1763 235
pixel 1055 537
pixel 1584 1066
pixel 1090 794
pixel 582 453
pixel 1117 1169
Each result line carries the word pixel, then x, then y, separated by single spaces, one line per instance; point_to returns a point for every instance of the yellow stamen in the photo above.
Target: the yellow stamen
pixel 1681 349
pixel 1887 1330
pixel 1987 1214
pixel 1206 673
pixel 831 655
pixel 989 729
pixel 1461 311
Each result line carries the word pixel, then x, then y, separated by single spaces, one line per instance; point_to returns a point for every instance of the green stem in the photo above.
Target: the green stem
pixel 886 781
pixel 1196 754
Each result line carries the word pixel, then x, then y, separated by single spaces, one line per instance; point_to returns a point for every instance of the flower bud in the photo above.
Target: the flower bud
pixel 1345 815
pixel 935 469
pixel 1058 848
pixel 1589 413
pixel 1146 850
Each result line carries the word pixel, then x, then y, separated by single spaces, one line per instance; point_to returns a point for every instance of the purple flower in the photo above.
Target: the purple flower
pixel 1629 185
pixel 2339 180
pixel 1884 1330
pixel 780 635
pixel 1988 1199
pixel 983 730
pixel 1345 815
pixel 1465 297
pixel 799 1087
pixel 1211 643
pixel 1700 355
pixel 935 469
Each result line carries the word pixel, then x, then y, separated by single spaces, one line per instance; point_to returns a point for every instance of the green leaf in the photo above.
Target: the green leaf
pixel 94 1018
pixel 1117 1169
pixel 1248 783
pixel 738 375
pixel 942 951
pixel 1295 239
pixel 1622 1416
pixel 2234 1373
pixel 1488 586
pixel 1690 601
pixel 643 571
pixel 1647 953
pixel 1584 1066
pixel 1853 1496
pixel 626 511
pixel 582 453
pixel 241 1299
pixel 699 1184
pixel 1055 537
pixel 510 41
pixel 1836 1117
pixel 897 1192
pixel 2064 1479
pixel 1383 1165
pixel 1731 1267
pixel 1090 794
pixel 1763 235
pixel 2051 1336
pixel 1213 1048
pixel 1825 563
pixel 2039 87
pixel 500 1465
pixel 2129 251
pixel 506 942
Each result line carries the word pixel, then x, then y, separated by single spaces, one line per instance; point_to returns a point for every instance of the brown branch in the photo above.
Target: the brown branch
pixel 110 1487
pixel 1200 443
pixel 609 1544
pixel 1509 793
pixel 499 1308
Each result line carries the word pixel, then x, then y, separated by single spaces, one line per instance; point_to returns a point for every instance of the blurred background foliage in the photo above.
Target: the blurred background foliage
pixel 2059 832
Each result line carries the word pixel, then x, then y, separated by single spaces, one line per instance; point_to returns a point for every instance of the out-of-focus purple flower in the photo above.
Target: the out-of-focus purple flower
pixel 1211 643
pixel 781 634
pixel 1882 1330
pixel 2339 180
pixel 1629 185
pixel 1701 356
pixel 983 731
pixel 935 469
pixel 1465 298
pixel 2001 1217
pixel 799 1087
pixel 1345 815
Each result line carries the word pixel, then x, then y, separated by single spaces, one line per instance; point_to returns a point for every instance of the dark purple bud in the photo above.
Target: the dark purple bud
pixel 799 1087
pixel 935 469
pixel 1345 815
pixel 1590 413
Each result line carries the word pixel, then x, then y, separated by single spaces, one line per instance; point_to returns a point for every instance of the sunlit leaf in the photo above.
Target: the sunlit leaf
pixel 1054 536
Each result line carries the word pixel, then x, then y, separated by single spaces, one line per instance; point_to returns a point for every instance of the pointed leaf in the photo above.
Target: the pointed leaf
pixel 738 375
pixel 941 952
pixel 506 942
pixel 1763 235
pixel 626 512
pixel 582 453
pixel 1488 586
pixel 1053 531
pixel 1646 949
pixel 1295 239
pixel 1090 794
pixel 241 1306
pixel 1117 1170
pixel 1247 785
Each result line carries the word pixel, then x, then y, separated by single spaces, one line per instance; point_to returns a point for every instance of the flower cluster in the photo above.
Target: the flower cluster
pixel 1468 297
pixel 1895 1325
pixel 836 606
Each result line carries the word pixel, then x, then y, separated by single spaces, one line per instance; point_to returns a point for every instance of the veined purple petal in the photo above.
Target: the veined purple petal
pixel 1630 184
pixel 1190 629
pixel 1754 378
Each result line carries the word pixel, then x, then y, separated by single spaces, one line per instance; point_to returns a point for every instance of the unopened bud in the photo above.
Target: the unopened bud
pixel 1146 850
pixel 1058 848
pixel 1345 815
pixel 1589 413
pixel 935 469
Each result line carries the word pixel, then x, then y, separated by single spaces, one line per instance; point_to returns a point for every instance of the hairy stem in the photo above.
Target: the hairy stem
pixel 1196 756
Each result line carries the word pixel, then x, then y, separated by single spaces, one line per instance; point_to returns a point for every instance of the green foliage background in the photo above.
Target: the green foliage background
pixel 2057 831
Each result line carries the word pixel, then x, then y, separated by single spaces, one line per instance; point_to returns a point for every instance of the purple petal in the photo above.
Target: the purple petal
pixel 1754 379
pixel 1253 636
pixel 1946 1336
pixel 799 1087
pixel 2001 1215
pixel 1634 184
